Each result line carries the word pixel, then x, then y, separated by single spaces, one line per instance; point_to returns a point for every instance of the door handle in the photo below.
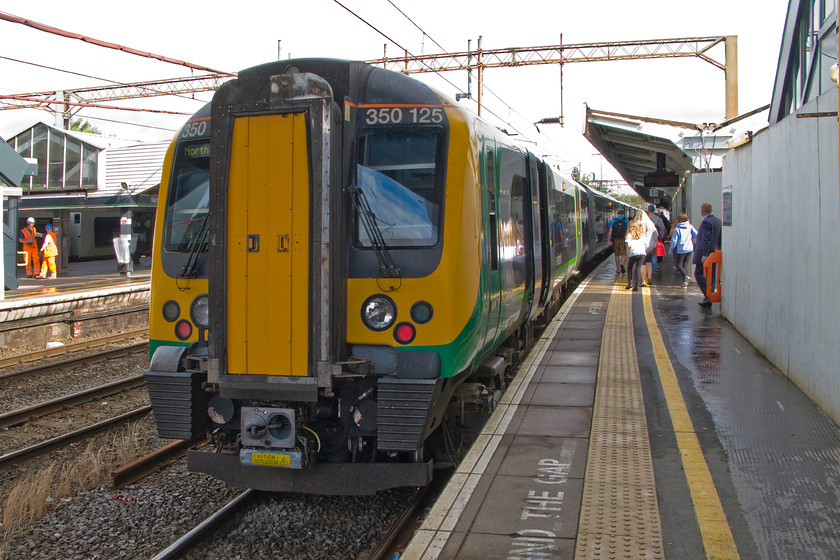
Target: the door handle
pixel 283 243
pixel 254 243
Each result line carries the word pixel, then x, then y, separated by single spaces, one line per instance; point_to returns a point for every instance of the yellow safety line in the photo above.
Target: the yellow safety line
pixel 714 528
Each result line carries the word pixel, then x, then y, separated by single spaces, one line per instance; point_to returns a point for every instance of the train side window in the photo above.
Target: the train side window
pixel 513 184
pixel 490 178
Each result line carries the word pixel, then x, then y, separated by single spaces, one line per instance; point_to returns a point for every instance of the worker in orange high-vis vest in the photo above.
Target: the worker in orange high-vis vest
pixel 50 251
pixel 29 237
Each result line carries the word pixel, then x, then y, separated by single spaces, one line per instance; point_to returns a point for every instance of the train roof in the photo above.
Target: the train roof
pixel 353 80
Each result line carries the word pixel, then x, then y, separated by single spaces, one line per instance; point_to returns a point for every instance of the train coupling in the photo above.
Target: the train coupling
pixel 269 439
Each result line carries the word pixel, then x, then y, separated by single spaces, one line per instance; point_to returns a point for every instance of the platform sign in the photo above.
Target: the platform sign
pixel 726 210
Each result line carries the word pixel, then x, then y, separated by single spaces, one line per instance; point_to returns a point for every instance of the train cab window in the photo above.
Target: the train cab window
pixel 185 224
pixel 399 174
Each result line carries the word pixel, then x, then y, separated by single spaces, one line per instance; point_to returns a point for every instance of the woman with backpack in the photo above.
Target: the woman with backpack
pixel 682 245
pixel 616 234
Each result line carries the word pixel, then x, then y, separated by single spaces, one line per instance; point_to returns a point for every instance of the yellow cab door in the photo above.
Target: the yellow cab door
pixel 268 246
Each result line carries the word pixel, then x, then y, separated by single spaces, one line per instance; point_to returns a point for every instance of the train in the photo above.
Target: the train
pixel 346 266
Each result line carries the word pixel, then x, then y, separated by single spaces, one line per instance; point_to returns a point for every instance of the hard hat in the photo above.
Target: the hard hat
pixel 30 220
pixel 48 226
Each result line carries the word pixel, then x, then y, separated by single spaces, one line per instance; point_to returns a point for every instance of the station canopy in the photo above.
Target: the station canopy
pixel 637 147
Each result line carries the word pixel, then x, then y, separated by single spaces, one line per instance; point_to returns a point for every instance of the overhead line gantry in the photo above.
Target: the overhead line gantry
pixel 482 59
pixel 479 60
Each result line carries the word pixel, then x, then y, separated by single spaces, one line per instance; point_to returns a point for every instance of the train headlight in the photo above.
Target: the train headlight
pixel 378 312
pixel 200 311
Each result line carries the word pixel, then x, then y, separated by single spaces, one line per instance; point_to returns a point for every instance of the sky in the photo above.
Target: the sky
pixel 689 89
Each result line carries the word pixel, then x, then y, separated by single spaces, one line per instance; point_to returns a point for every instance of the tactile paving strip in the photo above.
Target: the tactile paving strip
pixel 619 516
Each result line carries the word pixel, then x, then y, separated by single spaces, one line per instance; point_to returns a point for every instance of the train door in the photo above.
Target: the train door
pixel 582 208
pixel 513 238
pixel 268 246
pixel 492 278
pixel 546 245
pixel 535 231
pixel 74 233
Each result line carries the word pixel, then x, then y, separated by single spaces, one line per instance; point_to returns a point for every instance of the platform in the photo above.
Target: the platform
pixel 81 274
pixel 643 426
pixel 83 285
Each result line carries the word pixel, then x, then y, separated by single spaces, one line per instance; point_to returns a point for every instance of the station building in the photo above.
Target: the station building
pixel 93 189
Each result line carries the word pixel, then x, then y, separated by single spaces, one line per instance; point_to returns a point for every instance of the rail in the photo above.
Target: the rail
pixel 22 415
pixel 176 549
pixel 87 358
pixel 66 439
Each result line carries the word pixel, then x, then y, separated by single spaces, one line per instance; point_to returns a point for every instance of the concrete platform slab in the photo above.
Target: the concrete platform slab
pixel 521 504
pixel 560 394
pixel 580 358
pixel 557 421
pixel 556 458
pixel 566 374
pixel 575 344
pixel 533 544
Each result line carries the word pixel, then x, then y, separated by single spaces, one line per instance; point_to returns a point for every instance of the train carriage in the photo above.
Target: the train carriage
pixel 347 261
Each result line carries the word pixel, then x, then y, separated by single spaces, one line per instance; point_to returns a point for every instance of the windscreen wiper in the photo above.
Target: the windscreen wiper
pixel 198 245
pixel 387 268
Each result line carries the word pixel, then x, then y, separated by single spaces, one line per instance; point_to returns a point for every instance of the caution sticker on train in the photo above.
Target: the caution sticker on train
pixel 271 460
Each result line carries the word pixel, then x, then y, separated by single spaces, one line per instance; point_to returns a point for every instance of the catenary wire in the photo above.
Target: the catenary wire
pixel 481 82
pixel 360 18
pixel 99 43
pixel 71 72
pixel 417 26
pixel 130 123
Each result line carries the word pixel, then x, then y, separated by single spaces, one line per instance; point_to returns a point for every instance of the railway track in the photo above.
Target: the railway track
pixel 22 415
pixel 51 444
pixel 401 530
pixel 225 515
pixel 212 523
pixel 79 357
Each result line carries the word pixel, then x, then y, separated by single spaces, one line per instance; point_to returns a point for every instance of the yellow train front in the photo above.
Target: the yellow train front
pixel 367 246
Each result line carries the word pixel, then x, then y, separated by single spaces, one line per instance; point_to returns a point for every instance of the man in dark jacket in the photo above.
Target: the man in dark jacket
pixel 707 242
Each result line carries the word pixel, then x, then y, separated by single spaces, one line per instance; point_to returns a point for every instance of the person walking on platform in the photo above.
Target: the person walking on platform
pixel 651 236
pixel 29 238
pixel 682 245
pixel 637 245
pixel 650 260
pixel 617 234
pixel 50 250
pixel 708 241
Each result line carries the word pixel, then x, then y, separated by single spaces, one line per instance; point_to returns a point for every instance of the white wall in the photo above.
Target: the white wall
pixel 703 187
pixel 781 258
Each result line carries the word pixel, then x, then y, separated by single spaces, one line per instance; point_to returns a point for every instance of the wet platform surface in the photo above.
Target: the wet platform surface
pixel 644 426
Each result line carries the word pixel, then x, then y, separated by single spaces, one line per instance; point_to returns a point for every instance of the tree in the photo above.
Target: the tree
pixel 631 199
pixel 80 125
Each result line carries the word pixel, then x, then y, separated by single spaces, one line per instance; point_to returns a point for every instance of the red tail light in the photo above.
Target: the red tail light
pixel 404 333
pixel 183 330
